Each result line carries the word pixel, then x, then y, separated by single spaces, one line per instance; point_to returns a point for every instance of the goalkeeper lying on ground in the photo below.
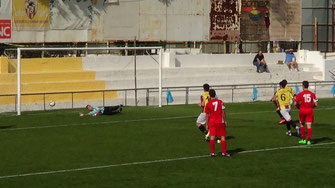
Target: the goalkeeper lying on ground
pixel 108 110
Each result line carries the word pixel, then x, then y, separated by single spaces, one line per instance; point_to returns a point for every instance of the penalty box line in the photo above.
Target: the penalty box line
pixel 135 120
pixel 155 161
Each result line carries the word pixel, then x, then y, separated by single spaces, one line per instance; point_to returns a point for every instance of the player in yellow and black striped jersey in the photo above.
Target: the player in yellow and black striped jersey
pixel 275 102
pixel 284 97
pixel 201 120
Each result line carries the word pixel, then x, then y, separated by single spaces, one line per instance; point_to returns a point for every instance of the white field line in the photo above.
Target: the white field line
pixel 95 123
pixel 134 120
pixel 155 161
pixel 69 112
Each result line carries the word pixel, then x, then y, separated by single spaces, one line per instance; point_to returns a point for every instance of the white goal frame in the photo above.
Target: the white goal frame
pixel 18 68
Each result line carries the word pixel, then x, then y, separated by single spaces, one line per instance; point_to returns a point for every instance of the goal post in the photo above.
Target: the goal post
pixel 20 50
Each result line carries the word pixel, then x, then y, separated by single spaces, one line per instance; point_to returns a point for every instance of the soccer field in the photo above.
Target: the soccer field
pixel 162 147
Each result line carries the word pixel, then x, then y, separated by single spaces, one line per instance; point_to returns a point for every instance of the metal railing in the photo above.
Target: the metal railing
pixel 152 92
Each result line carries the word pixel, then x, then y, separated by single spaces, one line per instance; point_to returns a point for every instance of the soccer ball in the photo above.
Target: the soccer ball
pixel 52 103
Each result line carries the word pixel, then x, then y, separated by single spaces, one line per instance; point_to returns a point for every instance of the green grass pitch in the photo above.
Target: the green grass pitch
pixel 161 147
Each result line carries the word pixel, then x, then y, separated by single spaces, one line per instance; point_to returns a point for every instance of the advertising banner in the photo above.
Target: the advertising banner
pixel 5 20
pixel 31 14
pixel 224 20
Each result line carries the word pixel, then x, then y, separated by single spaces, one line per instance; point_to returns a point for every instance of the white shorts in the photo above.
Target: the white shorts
pixel 286 114
pixel 202 118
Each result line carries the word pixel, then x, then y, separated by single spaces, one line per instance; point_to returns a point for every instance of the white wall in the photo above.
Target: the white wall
pixel 312 57
pixel 329 66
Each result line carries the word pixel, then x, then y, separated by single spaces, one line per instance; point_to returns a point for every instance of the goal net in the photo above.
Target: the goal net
pixel 59 78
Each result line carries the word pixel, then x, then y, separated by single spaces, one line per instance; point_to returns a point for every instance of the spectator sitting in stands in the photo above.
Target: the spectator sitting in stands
pixel 290 60
pixel 108 110
pixel 260 63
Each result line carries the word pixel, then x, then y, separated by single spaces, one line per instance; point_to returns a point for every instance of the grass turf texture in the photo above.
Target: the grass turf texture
pixel 147 134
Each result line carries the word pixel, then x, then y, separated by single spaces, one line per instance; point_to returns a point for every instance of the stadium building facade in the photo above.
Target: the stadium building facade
pixel 214 25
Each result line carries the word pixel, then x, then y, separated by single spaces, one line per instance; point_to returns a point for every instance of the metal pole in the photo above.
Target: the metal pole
pixel 232 95
pixel 333 25
pixel 103 98
pixel 18 71
pixel 147 97
pixel 125 97
pixel 160 78
pixel 315 34
pixel 327 38
pixel 86 49
pixel 135 77
pixel 187 95
pixel 72 99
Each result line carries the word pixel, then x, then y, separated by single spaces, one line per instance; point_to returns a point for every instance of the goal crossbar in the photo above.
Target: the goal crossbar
pixel 18 69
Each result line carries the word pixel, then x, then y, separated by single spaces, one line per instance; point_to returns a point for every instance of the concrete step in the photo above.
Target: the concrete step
pixel 51 64
pixel 53 86
pixel 48 77
pixel 210 60
pixel 182 72
pixel 224 79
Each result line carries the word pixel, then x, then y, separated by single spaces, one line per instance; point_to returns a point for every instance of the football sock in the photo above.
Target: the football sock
pixel 224 146
pixel 288 126
pixel 212 145
pixel 278 112
pixel 302 132
pixel 309 134
pixel 203 129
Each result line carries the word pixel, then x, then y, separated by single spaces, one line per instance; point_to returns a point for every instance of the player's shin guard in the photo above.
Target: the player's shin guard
pixel 203 129
pixel 212 145
pixel 302 132
pixel 309 134
pixel 224 146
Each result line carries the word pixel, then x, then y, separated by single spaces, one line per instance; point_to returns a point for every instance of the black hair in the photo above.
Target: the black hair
pixel 212 93
pixel 206 87
pixel 284 82
pixel 305 84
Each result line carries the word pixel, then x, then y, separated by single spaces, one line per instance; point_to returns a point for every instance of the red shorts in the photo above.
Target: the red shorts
pixel 217 130
pixel 306 116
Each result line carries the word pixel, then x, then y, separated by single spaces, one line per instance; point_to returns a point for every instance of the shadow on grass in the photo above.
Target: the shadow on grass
pixel 235 151
pixel 317 140
pixel 322 124
pixel 6 126
pixel 230 137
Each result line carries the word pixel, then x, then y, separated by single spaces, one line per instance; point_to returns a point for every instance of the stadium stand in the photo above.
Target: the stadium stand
pixel 194 70
pixel 114 72
pixel 48 75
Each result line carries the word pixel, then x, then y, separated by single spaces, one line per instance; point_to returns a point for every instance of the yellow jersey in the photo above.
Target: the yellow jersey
pixel 205 98
pixel 283 97
pixel 290 90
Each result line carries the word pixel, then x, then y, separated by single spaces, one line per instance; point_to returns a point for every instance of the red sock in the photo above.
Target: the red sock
pixel 309 134
pixel 302 132
pixel 212 145
pixel 223 146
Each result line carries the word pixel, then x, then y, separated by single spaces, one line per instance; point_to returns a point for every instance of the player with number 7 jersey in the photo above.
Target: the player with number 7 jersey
pixel 306 101
pixel 216 122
